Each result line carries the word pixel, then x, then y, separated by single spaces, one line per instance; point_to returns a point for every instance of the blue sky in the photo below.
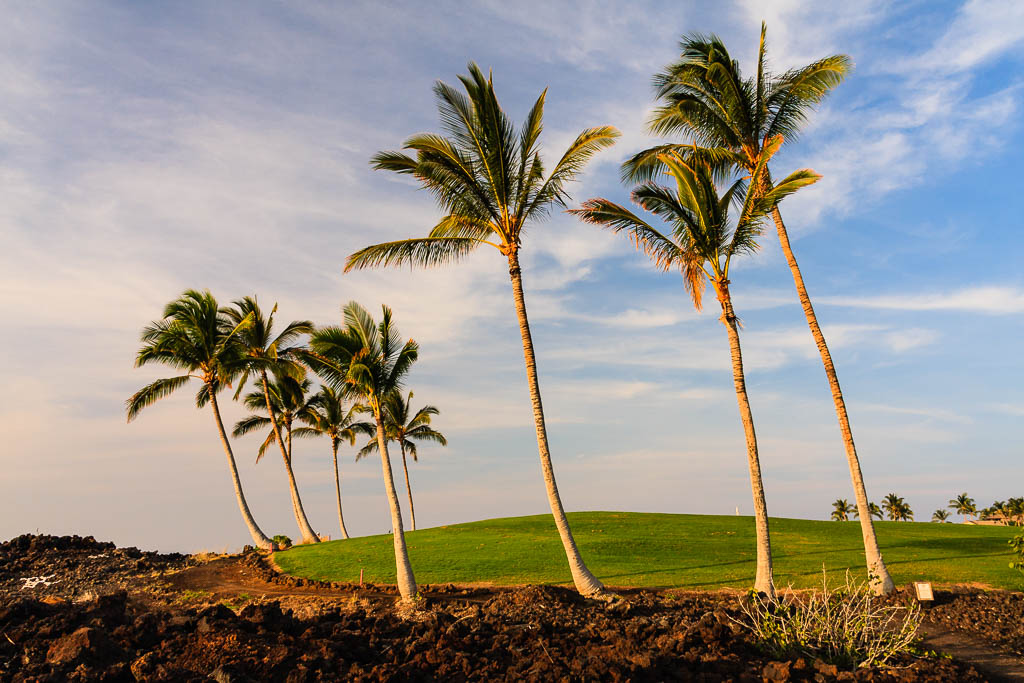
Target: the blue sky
pixel 147 148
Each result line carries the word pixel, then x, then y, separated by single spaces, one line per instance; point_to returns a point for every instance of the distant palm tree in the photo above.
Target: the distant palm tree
pixel 963 505
pixel 940 516
pixel 1015 508
pixel 369 360
pixel 873 510
pixel 841 510
pixel 892 504
pixel 491 186
pixel 701 246
pixel 903 512
pixel 705 97
pixel 265 353
pixel 198 337
pixel 329 415
pixel 406 432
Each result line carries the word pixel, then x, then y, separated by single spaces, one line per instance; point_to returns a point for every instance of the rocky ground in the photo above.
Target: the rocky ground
pixel 120 614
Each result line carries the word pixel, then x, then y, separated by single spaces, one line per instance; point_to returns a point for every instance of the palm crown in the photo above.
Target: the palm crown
pixel 290 400
pixel 705 97
pixel 399 427
pixel 703 239
pixel 197 336
pixel 328 414
pixel 489 181
pixel 362 357
pixel 264 351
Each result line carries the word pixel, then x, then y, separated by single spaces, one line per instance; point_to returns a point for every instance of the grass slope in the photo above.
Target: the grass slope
pixel 682 551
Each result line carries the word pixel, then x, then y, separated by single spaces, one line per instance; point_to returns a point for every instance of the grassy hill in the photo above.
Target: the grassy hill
pixel 683 551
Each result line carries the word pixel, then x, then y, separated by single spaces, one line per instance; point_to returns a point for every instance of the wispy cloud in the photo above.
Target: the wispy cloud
pixel 993 300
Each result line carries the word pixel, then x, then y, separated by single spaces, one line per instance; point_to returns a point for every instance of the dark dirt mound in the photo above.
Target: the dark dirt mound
pixel 72 566
pixel 316 631
pixel 996 616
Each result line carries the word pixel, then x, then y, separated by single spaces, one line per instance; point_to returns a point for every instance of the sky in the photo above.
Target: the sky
pixel 146 148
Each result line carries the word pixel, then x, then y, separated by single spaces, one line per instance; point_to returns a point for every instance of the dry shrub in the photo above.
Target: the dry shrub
pixel 846 625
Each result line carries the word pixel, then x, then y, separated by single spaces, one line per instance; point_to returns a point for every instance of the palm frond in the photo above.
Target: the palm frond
pixel 153 392
pixel 424 251
pixel 663 251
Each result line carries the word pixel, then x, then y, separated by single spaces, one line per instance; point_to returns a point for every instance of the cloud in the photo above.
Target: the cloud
pixel 990 300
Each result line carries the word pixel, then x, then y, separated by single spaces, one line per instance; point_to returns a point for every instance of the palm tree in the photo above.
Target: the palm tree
pixel 903 512
pixel 199 338
pixel 328 416
pixel 704 96
pixel 369 360
pixel 701 245
pixel 841 510
pixel 892 505
pixel 266 352
pixel 940 516
pixel 1015 508
pixel 406 432
pixel 963 505
pixel 491 185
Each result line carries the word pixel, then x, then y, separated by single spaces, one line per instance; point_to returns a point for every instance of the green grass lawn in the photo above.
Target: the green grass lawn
pixel 680 551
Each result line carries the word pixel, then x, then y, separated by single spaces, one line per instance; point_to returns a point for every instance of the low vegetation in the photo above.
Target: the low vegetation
pixel 845 625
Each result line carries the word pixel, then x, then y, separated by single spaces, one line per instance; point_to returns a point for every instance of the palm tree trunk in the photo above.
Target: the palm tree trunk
pixel 408 489
pixel 337 487
pixel 308 535
pixel 258 537
pixel 878 575
pixel 763 580
pixel 406 581
pixel 586 583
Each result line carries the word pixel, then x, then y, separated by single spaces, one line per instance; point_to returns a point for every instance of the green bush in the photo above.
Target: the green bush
pixel 1017 543
pixel 845 626
pixel 282 541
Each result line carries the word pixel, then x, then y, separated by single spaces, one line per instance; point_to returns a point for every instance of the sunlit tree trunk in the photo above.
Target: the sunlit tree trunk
pixel 258 537
pixel 308 535
pixel 878 575
pixel 408 488
pixel 406 580
pixel 337 487
pixel 763 580
pixel 586 583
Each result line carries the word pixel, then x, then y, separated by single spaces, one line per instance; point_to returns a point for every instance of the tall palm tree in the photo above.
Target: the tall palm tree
pixel 701 245
pixel 369 360
pixel 841 510
pixel 406 432
pixel 940 515
pixel 705 97
pixel 892 504
pixel 963 505
pixel 265 353
pixel 491 185
pixel 199 338
pixel 331 416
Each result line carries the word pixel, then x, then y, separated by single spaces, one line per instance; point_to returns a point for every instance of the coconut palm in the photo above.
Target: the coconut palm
pixel 490 184
pixel 265 353
pixel 705 97
pixel 406 432
pixel 369 360
pixel 701 245
pixel 892 504
pixel 330 415
pixel 1015 508
pixel 841 510
pixel 903 512
pixel 963 505
pixel 940 516
pixel 199 338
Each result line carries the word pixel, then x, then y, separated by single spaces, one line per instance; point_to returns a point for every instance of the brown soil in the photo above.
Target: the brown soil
pixel 163 619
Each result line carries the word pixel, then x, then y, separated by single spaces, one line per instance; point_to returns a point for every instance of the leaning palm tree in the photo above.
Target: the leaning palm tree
pixel 490 184
pixel 963 505
pixel 705 97
pixel 891 504
pixel 701 245
pixel 841 510
pixel 199 338
pixel 266 353
pixel 940 516
pixel 331 416
pixel 369 360
pixel 406 432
